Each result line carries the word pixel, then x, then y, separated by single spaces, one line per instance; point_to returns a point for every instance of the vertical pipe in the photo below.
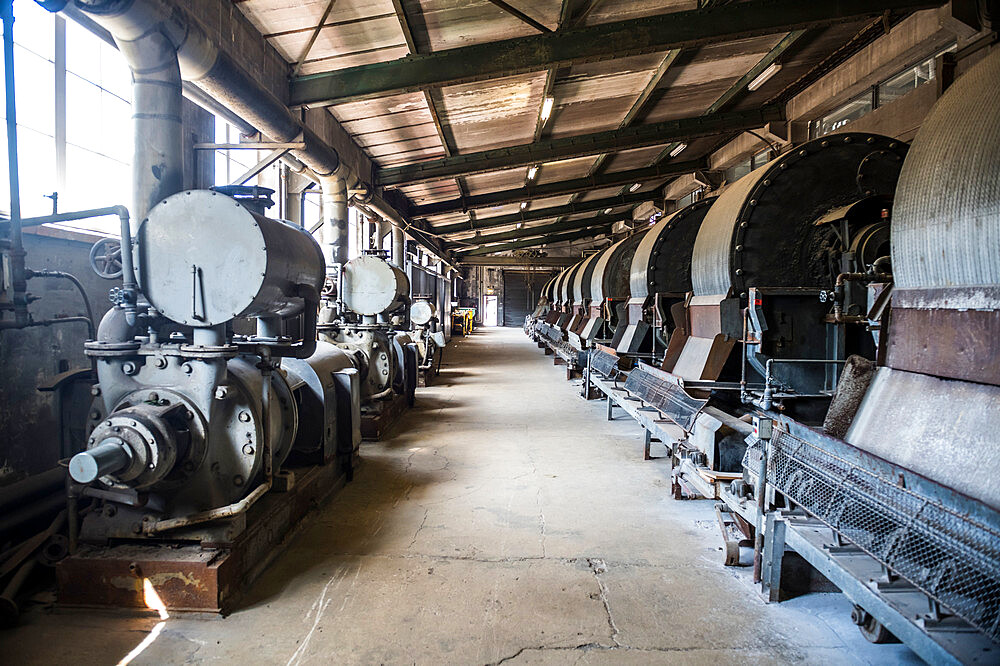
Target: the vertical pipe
pixel 60 99
pixel 334 221
pixel 16 252
pixel 157 162
pixel 398 247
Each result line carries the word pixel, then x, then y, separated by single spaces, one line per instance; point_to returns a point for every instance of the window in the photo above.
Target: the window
pixel 852 110
pixel 690 198
pixel 34 73
pixel 878 95
pixel 99 141
pixel 760 159
pixel 905 81
pixel 737 171
pixel 312 210
pixel 80 144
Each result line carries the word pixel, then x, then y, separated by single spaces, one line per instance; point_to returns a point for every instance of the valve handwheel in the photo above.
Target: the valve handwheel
pixel 106 258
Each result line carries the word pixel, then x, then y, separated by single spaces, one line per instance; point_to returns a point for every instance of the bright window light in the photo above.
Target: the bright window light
pixel 532 172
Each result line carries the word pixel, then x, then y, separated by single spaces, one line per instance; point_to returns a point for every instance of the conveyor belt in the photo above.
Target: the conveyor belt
pixel 940 547
pixel 603 362
pixel 648 384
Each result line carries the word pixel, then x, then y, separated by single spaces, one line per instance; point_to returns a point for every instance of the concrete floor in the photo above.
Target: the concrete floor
pixel 506 521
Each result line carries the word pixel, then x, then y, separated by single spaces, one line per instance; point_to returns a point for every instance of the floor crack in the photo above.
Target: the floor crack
pixel 599 567
pixel 423 523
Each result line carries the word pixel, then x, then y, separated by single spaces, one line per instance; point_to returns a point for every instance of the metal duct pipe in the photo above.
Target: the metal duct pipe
pixel 334 220
pixel 202 62
pixel 147 36
pixel 398 247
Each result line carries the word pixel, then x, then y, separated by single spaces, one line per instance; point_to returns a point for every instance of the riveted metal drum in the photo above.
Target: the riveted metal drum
pixel 372 286
pixel 761 231
pixel 662 262
pixel 204 259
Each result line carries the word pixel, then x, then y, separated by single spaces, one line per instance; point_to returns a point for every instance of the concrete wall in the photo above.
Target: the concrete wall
pixel 29 358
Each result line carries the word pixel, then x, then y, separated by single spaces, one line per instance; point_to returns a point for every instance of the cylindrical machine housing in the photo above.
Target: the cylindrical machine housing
pixel 421 312
pixel 761 232
pixel 662 262
pixel 373 286
pixel 236 264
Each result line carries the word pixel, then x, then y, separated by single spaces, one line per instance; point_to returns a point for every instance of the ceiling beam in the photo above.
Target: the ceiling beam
pixel 514 11
pixel 651 34
pixel 640 136
pixel 529 232
pixel 739 89
pixel 545 213
pixel 534 242
pixel 547 190
pixel 557 262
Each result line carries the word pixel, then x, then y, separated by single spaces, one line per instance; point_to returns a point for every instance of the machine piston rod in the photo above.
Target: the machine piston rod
pixel 110 456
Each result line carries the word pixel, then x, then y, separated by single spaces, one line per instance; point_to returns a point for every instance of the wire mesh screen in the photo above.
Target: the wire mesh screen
pixel 949 556
pixel 666 396
pixel 603 363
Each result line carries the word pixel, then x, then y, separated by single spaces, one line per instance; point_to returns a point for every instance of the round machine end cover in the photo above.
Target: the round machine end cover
pixel 373 286
pixel 203 259
pixel 421 312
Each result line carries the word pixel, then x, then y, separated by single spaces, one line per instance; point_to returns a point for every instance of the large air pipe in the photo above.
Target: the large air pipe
pixel 162 47
pixel 398 247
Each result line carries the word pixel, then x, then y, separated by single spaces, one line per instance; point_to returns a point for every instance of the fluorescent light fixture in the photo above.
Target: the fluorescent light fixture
pixel 607 211
pixel 681 147
pixel 634 187
pixel 532 172
pixel 762 78
pixel 547 108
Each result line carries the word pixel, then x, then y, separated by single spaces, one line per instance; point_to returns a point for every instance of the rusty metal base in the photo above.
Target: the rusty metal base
pixel 383 415
pixel 194 577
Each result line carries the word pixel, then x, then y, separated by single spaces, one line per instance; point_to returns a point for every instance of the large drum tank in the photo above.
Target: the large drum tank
pixel 371 288
pixel 660 274
pixel 235 264
pixel 778 230
pixel 935 405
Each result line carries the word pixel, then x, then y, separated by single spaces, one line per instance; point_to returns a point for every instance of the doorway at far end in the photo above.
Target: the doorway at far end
pixel 491 311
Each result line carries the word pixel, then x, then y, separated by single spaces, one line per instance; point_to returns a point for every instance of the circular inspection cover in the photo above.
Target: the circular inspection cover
pixel 421 312
pixel 372 286
pixel 201 258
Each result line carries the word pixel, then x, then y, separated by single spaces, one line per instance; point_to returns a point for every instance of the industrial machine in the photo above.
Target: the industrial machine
pixel 463 320
pixel 580 292
pixel 781 266
pixel 659 280
pixel 541 310
pixel 427 337
pixel 358 318
pixel 191 423
pixel 895 500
